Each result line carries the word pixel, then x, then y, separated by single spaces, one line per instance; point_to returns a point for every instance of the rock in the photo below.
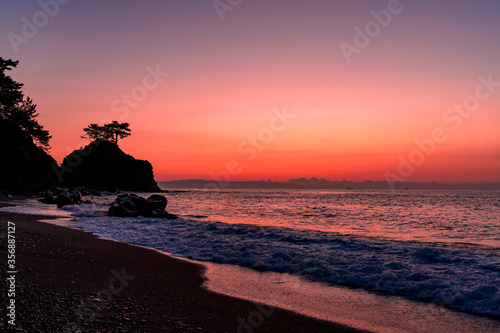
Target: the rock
pixel 61 197
pixel 65 198
pixel 88 191
pixel 102 165
pixel 132 205
pixel 45 193
pixel 157 201
pixel 127 205
pixel 163 214
pixel 48 199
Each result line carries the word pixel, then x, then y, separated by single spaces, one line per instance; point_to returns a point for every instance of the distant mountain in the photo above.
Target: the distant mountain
pixel 102 165
pixel 315 183
pixel 25 168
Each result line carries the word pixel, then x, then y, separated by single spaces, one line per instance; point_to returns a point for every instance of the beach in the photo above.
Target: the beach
pixel 69 280
pixel 250 166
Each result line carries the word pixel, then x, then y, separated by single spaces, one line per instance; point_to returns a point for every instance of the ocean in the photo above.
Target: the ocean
pixel 440 247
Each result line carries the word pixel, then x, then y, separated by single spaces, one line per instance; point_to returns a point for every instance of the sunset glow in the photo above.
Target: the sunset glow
pixel 200 93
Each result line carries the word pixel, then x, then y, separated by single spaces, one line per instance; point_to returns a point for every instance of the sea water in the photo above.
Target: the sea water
pixel 440 247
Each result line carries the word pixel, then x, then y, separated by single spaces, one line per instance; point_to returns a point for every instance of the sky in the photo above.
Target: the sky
pixel 277 89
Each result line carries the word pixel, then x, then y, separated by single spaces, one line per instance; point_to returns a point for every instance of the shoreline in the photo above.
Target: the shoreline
pixel 69 280
pixel 264 292
pixel 354 307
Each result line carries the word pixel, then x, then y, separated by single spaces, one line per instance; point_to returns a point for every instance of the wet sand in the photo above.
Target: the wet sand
pixel 69 280
pixel 354 307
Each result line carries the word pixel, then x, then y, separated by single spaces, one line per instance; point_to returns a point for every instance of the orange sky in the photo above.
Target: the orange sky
pixel 226 79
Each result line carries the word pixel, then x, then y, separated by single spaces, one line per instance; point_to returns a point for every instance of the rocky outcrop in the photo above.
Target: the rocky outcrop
pixel 24 167
pixel 63 197
pixel 132 205
pixel 102 165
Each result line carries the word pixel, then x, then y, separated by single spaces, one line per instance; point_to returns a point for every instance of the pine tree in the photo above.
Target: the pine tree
pixel 118 130
pixel 110 132
pixel 17 109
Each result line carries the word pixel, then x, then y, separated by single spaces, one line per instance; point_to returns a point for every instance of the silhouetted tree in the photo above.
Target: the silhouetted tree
pixel 110 132
pixel 17 109
pixel 95 132
pixel 118 130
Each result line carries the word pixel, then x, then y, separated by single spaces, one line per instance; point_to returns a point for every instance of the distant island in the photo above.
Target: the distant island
pixel 320 183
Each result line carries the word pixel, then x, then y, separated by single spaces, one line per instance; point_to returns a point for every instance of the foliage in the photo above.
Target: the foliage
pixel 110 132
pixel 17 109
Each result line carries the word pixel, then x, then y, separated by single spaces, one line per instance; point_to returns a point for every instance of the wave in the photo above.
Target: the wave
pixel 462 279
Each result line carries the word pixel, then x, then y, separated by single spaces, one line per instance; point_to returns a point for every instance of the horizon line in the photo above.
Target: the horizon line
pixel 328 180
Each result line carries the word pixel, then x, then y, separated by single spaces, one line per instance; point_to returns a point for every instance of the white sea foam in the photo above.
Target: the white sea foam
pixel 427 246
pixel 461 279
pixel 33 207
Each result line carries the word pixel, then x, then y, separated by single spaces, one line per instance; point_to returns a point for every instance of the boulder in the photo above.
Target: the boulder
pixel 127 205
pixel 132 205
pixel 157 201
pixel 61 197
pixel 65 198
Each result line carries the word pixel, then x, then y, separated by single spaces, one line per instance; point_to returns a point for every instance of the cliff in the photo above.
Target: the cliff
pixel 24 168
pixel 102 165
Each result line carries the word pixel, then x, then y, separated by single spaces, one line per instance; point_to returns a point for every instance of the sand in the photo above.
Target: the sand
pixel 69 280
pixel 353 307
